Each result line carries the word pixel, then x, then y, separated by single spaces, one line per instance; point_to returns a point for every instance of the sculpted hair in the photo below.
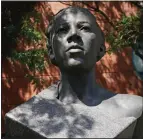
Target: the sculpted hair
pixel 50 32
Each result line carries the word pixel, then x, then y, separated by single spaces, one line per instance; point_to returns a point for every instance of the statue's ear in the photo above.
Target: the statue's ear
pixel 102 52
pixel 102 48
pixel 49 46
pixel 51 55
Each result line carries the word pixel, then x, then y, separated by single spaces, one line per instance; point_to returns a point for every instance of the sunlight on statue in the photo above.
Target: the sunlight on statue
pixel 76 106
pixel 75 44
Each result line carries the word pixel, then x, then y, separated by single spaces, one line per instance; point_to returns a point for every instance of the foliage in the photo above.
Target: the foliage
pixel 12 14
pixel 28 29
pixel 126 33
pixel 21 20
pixel 34 59
pixel 35 80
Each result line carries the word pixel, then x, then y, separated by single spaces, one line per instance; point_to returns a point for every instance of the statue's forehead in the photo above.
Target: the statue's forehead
pixel 75 16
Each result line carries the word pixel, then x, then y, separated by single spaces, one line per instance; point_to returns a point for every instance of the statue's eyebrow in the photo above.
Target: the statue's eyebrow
pixel 63 24
pixel 83 22
pixel 68 24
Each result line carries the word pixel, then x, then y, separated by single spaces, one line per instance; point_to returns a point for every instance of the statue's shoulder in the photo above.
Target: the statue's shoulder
pixel 129 99
pixel 123 105
pixel 131 104
pixel 51 92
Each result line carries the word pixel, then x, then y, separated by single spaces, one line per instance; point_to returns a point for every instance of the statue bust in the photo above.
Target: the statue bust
pixel 77 106
pixel 75 44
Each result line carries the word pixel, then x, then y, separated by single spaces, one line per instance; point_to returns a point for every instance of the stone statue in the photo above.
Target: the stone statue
pixel 75 44
pixel 76 106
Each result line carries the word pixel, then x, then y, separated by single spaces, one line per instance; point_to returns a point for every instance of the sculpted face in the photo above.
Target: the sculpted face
pixel 76 40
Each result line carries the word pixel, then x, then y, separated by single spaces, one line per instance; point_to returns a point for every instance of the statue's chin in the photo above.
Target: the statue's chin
pixel 76 66
pixel 73 62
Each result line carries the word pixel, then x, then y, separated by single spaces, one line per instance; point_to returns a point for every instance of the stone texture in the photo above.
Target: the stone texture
pixel 43 117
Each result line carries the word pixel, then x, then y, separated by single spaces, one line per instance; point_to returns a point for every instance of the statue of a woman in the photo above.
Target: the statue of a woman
pixel 75 44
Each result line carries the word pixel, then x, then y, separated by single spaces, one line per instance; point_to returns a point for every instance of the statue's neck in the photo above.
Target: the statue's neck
pixel 76 87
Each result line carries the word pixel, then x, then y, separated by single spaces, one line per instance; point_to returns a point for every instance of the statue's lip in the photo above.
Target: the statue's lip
pixel 76 47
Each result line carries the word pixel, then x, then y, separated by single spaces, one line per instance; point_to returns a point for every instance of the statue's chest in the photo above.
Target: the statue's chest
pixel 52 119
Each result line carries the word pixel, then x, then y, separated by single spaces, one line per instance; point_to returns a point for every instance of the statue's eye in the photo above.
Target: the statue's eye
pixel 85 28
pixel 62 29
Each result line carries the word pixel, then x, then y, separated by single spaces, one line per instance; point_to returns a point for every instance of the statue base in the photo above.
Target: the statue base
pixel 42 118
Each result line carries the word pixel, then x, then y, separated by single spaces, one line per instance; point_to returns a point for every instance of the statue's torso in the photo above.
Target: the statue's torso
pixel 54 119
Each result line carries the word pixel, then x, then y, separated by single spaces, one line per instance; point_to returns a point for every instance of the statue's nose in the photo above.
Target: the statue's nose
pixel 73 36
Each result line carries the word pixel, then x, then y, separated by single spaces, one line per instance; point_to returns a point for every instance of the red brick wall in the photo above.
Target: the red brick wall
pixel 114 72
